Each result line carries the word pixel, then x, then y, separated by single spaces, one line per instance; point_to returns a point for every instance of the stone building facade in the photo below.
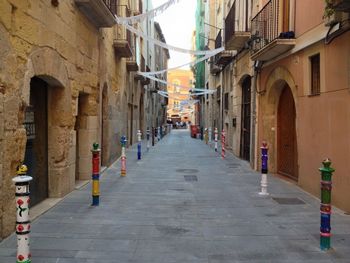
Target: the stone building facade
pixel 289 86
pixel 65 82
pixel 181 77
pixel 230 74
pixel 303 102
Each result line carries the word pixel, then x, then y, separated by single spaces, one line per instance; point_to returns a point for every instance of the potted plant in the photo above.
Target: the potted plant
pixel 330 15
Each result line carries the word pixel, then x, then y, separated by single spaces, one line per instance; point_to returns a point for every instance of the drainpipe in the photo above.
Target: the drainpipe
pixel 149 94
pixel 222 72
pixel 254 134
pixel 221 117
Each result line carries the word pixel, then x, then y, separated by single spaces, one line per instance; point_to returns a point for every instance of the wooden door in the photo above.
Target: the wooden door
pixel 36 155
pixel 245 118
pixel 286 135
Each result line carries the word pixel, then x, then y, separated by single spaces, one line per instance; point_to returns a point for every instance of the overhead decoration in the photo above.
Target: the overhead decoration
pixel 149 14
pixel 189 102
pixel 163 93
pixel 189 63
pixel 202 91
pixel 166 46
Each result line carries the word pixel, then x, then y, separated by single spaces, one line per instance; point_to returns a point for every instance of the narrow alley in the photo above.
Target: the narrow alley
pixel 182 203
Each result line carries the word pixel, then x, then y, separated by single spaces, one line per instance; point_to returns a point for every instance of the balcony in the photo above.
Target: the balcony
pixel 341 5
pixel 268 39
pixel 139 10
pixel 142 69
pixel 224 57
pixel 146 81
pixel 122 41
pixel 99 12
pixel 214 69
pixel 131 63
pixel 237 31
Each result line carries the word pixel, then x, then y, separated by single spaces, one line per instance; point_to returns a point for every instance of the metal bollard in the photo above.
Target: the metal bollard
pixel 123 141
pixel 147 136
pixel 22 214
pixel 223 140
pixel 153 135
pixel 326 207
pixel 216 139
pixel 210 134
pixel 95 174
pixel 139 144
pixel 264 168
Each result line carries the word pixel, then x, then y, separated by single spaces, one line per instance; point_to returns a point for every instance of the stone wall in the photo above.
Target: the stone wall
pixel 60 46
pixel 88 91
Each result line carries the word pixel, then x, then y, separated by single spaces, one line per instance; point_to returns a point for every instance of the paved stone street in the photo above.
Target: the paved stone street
pixel 183 203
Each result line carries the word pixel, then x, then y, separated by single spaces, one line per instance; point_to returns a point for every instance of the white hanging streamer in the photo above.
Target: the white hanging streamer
pixel 189 102
pixel 189 63
pixel 149 14
pixel 166 46
pixel 206 91
pixel 162 93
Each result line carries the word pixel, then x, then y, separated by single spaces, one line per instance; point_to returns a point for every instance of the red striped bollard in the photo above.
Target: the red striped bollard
pixel 22 214
pixel 95 174
pixel 223 140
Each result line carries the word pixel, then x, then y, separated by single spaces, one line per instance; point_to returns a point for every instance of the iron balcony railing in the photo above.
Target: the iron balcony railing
pixel 111 5
pixel 143 64
pixel 133 51
pixel 230 22
pixel 218 44
pixel 267 26
pixel 234 24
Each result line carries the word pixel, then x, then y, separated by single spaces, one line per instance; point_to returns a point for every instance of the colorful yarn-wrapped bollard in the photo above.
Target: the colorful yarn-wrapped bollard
pixel 223 141
pixel 22 214
pixel 123 141
pixel 264 168
pixel 147 137
pixel 139 143
pixel 326 207
pixel 216 139
pixel 95 174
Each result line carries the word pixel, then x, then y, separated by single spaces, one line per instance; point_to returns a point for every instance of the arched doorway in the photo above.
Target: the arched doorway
pixel 104 128
pixel 245 119
pixel 36 154
pixel 141 113
pixel 286 135
pixel 131 121
pixel 81 130
pixel 47 95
